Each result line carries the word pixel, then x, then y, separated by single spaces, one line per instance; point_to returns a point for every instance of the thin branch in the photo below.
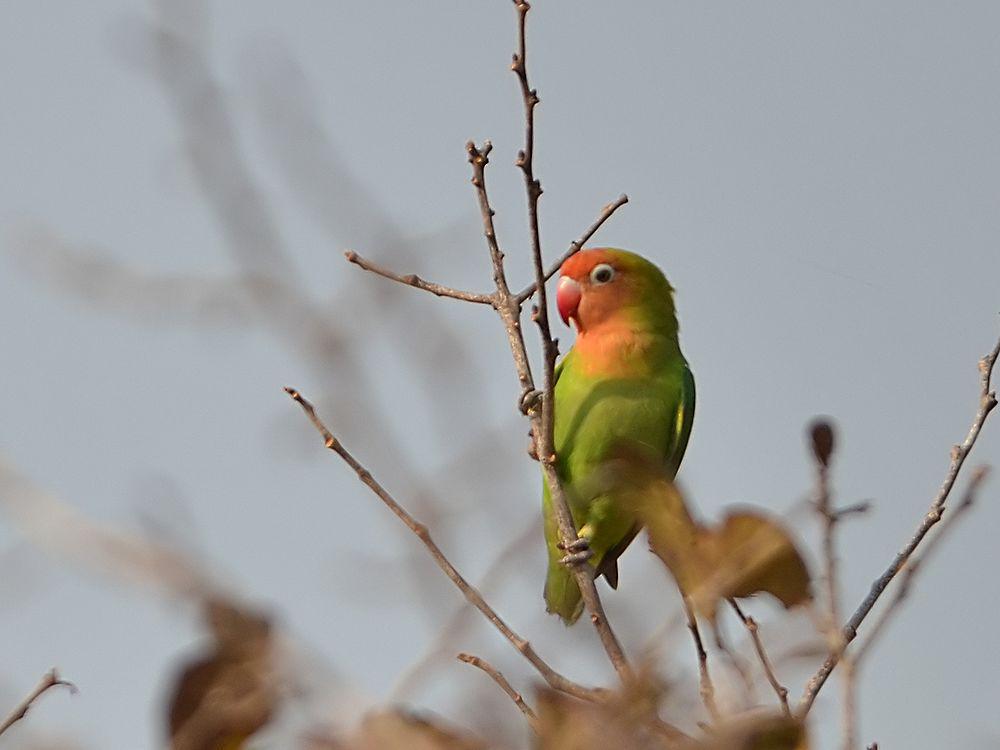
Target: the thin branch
pixel 822 437
pixel 553 678
pixel 737 663
pixel 855 509
pixel 509 310
pixel 575 246
pixel 542 424
pixel 508 306
pixel 906 581
pixel 987 401
pixel 707 689
pixel 500 680
pixel 460 618
pixel 849 692
pixel 50 680
pixel 418 283
pixel 754 630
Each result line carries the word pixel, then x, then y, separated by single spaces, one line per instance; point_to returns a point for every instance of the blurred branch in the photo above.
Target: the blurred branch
pixel 90 274
pixel 822 436
pixel 987 402
pixel 553 678
pixel 735 662
pixel 823 439
pixel 453 627
pixel 753 629
pixel 500 680
pixel 418 283
pixel 906 582
pixel 50 680
pixel 707 689
pixel 59 529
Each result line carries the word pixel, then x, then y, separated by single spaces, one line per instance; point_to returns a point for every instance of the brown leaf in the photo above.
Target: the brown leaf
pixel 225 696
pixel 754 554
pixel 760 732
pixel 628 720
pixel 748 553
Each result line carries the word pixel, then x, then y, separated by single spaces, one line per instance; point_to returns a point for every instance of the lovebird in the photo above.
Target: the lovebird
pixel 624 386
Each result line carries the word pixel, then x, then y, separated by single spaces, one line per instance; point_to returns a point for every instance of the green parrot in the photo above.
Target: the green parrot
pixel 623 385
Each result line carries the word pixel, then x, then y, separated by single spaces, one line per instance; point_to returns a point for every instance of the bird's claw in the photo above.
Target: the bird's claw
pixel 577 558
pixel 528 400
pixel 580 544
pixel 577 552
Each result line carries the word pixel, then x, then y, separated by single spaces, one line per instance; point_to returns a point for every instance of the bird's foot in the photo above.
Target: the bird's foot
pixel 577 545
pixel 529 399
pixel 577 558
pixel 578 551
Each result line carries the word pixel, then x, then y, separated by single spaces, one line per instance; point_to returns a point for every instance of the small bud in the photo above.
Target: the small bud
pixel 822 437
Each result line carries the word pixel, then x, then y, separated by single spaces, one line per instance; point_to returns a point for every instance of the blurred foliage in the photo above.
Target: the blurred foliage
pixel 746 554
pixel 395 730
pixel 230 693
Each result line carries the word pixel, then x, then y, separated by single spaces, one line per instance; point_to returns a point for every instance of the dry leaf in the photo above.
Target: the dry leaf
pixel 400 730
pixel 628 720
pixel 224 697
pixel 748 553
pixel 759 732
pixel 752 554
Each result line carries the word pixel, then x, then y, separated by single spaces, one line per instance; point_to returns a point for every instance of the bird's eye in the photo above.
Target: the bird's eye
pixel 602 274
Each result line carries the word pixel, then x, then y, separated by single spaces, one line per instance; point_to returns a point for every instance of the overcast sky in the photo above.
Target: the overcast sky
pixel 818 180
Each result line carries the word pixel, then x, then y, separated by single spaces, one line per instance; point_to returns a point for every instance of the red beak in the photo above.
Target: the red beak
pixel 568 295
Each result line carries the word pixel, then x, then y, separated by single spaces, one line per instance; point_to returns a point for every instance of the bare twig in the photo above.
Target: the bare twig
pixel 754 630
pixel 855 509
pixel 508 306
pixel 509 311
pixel 418 283
pixel 50 680
pixel 707 689
pixel 912 568
pixel 500 680
pixel 462 616
pixel 849 692
pixel 542 424
pixel 737 663
pixel 575 247
pixel 553 678
pixel 987 402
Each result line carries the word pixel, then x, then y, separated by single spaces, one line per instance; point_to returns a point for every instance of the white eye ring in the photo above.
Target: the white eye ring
pixel 602 274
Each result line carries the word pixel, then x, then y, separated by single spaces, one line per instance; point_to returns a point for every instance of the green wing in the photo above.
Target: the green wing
pixel 682 432
pixel 684 420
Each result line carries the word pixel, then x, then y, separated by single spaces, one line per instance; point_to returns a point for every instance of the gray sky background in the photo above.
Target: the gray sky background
pixel 819 181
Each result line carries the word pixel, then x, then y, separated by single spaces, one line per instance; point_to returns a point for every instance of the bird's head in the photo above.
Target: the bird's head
pixel 609 286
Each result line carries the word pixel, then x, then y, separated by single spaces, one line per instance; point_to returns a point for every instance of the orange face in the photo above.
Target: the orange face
pixel 593 285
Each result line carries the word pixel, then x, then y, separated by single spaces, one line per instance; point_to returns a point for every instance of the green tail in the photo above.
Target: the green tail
pixel 562 595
